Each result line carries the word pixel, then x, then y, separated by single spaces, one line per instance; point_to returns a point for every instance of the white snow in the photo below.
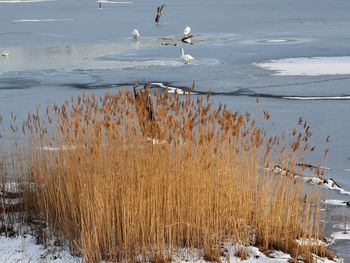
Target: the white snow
pixel 172 89
pixel 341 235
pixel 57 148
pixel 276 40
pixel 156 141
pixel 8 201
pixel 328 184
pixel 310 242
pixel 10 187
pixel 335 202
pixel 308 66
pixel 114 2
pixel 41 20
pixel 185 256
pixel 254 256
pixel 342 226
pixel 325 260
pixel 325 183
pixel 318 98
pixel 179 91
pixel 24 249
pixel 23 1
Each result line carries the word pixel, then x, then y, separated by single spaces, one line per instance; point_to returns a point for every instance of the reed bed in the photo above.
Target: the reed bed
pixel 125 179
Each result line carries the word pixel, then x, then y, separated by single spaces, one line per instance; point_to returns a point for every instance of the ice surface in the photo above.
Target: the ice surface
pixel 91 48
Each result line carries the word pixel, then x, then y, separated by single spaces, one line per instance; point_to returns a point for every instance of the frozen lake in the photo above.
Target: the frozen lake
pixel 293 53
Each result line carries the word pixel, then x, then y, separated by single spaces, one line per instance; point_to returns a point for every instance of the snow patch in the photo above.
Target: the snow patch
pixel 23 1
pixel 41 20
pixel 327 183
pixel 318 98
pixel 276 40
pixel 342 226
pixel 318 259
pixel 25 249
pixel 345 235
pixel 156 141
pixel 57 148
pixel 179 91
pixel 336 202
pixel 310 242
pixel 113 2
pixel 253 253
pixel 308 66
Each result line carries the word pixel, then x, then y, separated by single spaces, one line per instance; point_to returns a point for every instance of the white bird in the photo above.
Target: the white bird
pixel 5 53
pixel 185 57
pixel 187 31
pixel 135 33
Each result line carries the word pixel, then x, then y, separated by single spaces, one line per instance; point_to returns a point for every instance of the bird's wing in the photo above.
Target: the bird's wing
pixel 159 13
pixel 161 8
pixel 186 39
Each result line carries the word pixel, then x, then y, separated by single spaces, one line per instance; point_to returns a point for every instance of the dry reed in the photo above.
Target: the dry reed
pixel 124 186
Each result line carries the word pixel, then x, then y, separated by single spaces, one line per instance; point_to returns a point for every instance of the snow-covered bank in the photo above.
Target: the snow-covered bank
pixel 330 183
pixel 25 249
pixel 326 183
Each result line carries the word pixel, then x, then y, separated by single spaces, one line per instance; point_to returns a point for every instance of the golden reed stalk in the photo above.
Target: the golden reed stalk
pixel 127 186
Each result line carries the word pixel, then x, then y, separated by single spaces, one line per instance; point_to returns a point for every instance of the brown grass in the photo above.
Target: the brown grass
pixel 115 195
pixel 242 254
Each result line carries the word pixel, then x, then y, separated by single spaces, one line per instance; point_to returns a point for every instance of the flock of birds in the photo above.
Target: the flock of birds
pixel 186 37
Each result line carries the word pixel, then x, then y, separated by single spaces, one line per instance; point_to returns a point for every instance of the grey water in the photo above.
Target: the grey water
pixel 58 48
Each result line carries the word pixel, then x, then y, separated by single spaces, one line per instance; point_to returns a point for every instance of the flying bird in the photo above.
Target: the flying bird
pixel 159 13
pixel 185 57
pixel 135 33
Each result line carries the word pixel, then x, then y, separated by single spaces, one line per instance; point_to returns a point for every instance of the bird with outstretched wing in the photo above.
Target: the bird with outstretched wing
pixel 159 13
